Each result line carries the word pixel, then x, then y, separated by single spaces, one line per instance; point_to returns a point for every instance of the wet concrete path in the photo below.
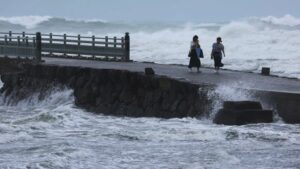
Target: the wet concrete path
pixel 208 76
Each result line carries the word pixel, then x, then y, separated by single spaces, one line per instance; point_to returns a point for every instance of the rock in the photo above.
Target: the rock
pixel 241 117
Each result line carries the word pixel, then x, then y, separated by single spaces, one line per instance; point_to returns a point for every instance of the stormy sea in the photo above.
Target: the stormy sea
pixel 53 133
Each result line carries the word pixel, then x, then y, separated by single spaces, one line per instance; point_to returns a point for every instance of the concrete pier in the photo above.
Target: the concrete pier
pixel 207 76
pixel 280 94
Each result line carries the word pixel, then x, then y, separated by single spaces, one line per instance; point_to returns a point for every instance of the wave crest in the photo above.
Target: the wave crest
pixel 57 24
pixel 29 22
pixel 287 20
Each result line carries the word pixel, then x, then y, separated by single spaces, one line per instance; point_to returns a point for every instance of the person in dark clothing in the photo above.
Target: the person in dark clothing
pixel 216 53
pixel 195 54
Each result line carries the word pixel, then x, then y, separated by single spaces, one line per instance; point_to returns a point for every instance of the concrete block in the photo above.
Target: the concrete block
pixel 265 71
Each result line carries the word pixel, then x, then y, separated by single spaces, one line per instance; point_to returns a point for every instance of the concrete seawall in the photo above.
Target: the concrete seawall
pixel 287 105
pixel 123 89
pixel 113 92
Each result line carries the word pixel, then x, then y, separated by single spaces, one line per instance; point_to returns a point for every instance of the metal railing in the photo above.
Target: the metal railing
pixel 20 46
pixel 35 45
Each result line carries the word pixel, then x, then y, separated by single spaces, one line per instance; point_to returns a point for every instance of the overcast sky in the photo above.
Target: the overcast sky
pixel 151 10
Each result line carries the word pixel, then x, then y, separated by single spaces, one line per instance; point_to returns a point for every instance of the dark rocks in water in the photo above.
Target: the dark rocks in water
pixel 243 112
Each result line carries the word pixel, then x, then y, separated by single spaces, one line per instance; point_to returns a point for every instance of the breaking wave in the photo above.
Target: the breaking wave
pixel 36 22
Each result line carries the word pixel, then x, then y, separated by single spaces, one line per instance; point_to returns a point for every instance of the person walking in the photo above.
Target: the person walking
pixel 216 53
pixel 195 54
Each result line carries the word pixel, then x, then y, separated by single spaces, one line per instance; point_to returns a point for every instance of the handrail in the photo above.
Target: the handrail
pixel 17 37
pixel 83 37
pixel 65 44
pixel 47 40
pixel 57 35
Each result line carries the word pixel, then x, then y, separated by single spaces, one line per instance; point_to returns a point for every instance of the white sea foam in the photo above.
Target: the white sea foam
pixel 228 92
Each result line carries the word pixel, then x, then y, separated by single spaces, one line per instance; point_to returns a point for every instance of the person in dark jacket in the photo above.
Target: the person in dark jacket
pixel 216 53
pixel 195 54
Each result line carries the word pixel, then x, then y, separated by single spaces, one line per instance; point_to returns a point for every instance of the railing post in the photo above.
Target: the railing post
pixel 50 42
pixel 23 36
pixel 18 40
pixel 106 45
pixel 34 46
pixel 65 43
pixel 4 49
pixel 9 34
pixel 28 52
pixel 127 47
pixel 18 49
pixel 78 45
pixel 122 41
pixel 115 45
pixel 5 38
pixel 38 47
pixel 106 41
pixel 26 41
pixel 33 41
pixel 93 44
pixel 115 42
pixel 50 38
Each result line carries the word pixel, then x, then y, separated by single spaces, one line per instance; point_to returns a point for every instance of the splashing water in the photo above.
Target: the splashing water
pixel 53 133
pixel 229 92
